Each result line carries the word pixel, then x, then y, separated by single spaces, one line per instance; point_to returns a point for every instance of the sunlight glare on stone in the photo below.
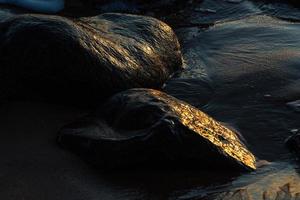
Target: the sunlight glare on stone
pixel 208 128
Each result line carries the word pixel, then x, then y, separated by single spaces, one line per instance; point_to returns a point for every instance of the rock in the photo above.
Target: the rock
pixel 145 127
pixel 293 143
pixel 85 59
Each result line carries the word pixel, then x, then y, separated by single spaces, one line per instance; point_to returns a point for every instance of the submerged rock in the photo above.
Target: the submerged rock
pixel 87 58
pixel 144 127
pixel 275 181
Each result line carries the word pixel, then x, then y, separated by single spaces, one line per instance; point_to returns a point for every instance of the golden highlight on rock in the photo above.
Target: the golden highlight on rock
pixel 208 128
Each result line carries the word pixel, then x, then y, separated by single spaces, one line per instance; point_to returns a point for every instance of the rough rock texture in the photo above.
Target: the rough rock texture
pixel 87 58
pixel 148 127
pixel 283 193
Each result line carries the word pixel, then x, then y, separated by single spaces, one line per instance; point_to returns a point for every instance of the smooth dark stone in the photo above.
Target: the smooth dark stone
pixel 84 60
pixel 144 127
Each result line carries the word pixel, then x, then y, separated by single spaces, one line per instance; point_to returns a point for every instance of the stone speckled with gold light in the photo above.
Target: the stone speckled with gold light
pixel 84 60
pixel 145 127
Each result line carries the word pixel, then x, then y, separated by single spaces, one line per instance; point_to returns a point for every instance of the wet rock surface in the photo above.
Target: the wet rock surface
pixel 148 127
pixel 72 60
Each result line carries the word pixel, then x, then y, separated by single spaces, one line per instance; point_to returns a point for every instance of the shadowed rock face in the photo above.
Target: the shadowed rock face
pixel 87 58
pixel 149 127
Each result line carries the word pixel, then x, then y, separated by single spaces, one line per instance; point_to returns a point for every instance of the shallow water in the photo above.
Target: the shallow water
pixel 252 69
pixel 242 67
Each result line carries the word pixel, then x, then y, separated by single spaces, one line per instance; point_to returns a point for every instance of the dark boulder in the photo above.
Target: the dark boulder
pixel 85 59
pixel 145 127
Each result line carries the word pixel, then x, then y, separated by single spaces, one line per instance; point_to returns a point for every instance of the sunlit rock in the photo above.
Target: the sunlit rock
pixel 85 59
pixel 148 127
